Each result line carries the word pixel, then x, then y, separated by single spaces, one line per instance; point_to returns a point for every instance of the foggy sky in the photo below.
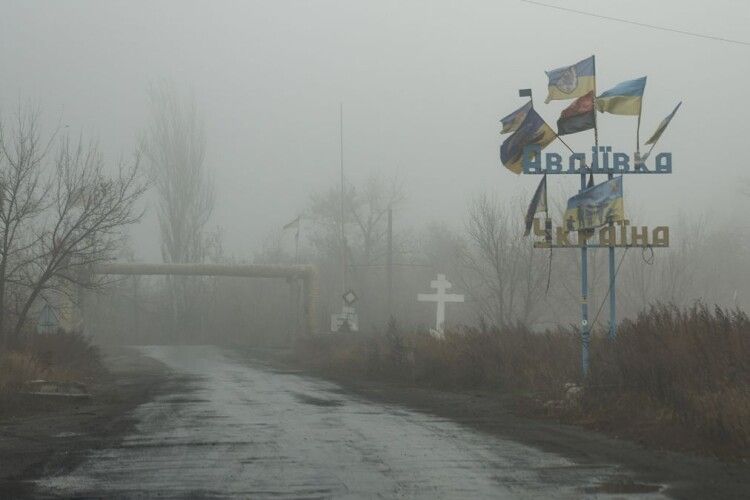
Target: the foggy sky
pixel 423 86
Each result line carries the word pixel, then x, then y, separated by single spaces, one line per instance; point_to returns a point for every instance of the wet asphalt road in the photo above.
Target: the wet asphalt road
pixel 242 430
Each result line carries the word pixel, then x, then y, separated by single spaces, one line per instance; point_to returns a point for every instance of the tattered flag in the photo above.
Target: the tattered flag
pixel 663 125
pixel 538 204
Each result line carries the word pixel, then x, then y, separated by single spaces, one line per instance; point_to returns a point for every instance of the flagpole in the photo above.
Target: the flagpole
pixel 547 220
pixel 638 133
pixel 611 250
pixel 638 127
pixel 584 258
pixel 648 153
pixel 613 275
pixel 584 295
pixel 527 93
pixel 596 130
pixel 564 143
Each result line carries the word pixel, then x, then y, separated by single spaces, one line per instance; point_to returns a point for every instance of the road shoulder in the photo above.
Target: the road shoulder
pixel 46 436
pixel 687 476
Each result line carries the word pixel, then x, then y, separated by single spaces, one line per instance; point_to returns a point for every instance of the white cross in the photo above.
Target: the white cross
pixel 441 285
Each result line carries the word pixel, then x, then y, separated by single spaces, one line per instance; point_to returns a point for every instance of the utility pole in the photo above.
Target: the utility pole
pixel 389 276
pixel 343 235
pixel 295 283
pixel 134 312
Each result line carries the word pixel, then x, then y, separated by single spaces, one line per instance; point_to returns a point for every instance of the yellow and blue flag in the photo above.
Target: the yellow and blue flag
pixel 514 120
pixel 532 131
pixel 663 125
pixel 573 81
pixel 595 206
pixel 623 99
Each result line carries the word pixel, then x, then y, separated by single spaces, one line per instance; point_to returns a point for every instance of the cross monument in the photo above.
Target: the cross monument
pixel 441 298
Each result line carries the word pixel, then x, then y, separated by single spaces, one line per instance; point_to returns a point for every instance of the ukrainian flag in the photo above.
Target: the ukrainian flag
pixel 623 99
pixel 595 206
pixel 532 131
pixel 573 81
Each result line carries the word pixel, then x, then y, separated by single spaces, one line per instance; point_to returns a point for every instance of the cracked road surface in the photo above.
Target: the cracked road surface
pixel 238 429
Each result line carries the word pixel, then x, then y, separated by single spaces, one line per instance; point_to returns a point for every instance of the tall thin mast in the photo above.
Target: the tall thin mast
pixel 343 235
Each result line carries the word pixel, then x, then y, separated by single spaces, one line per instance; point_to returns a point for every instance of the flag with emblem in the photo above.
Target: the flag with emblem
pixel 573 81
pixel 595 206
pixel 532 131
pixel 514 120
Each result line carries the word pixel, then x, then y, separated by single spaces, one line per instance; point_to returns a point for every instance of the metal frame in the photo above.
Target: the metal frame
pixel 307 273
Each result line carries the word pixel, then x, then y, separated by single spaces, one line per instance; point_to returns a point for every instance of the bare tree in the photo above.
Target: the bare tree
pixel 175 147
pixel 56 221
pixel 505 276
pixel 365 218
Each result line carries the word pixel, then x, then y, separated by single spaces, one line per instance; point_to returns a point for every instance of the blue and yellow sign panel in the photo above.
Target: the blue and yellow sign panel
pixel 596 206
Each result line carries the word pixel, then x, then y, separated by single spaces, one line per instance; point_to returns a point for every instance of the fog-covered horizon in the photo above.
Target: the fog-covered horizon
pixel 423 85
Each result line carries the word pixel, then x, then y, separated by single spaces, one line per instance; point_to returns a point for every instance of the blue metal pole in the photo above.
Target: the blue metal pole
pixel 612 302
pixel 584 301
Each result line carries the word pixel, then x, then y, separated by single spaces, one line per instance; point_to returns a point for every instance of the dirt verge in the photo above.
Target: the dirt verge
pixel 42 436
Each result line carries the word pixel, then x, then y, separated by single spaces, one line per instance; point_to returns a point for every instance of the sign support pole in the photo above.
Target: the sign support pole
pixel 585 331
pixel 584 298
pixel 612 302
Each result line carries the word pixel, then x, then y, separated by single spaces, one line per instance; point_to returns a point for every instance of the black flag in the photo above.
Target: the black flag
pixel 538 204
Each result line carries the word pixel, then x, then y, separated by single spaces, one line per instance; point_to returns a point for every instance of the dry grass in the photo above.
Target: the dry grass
pixel 63 357
pixel 17 368
pixel 675 377
pixel 467 358
pixel 688 371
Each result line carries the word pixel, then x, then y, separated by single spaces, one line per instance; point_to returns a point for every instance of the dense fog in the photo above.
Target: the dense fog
pixel 272 97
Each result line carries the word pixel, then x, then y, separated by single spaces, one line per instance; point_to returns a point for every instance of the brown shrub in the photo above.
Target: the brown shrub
pixel 668 368
pixel 694 364
pixel 65 351
pixel 63 357
pixel 512 358
pixel 17 368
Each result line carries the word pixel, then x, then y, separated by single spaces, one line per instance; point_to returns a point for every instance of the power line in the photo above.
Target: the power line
pixel 636 23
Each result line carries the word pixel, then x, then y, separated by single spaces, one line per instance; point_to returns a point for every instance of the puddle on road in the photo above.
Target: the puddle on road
pixel 186 400
pixel 624 487
pixel 316 401
pixel 67 434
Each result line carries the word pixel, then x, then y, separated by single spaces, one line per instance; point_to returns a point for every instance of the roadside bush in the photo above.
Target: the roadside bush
pixel 65 351
pixel 679 375
pixel 690 367
pixel 63 357
pixel 17 368
pixel 468 358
